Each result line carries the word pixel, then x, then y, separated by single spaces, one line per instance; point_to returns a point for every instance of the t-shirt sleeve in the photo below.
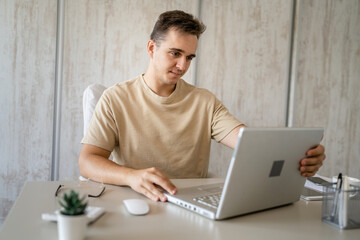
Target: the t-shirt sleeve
pixel 222 122
pixel 102 131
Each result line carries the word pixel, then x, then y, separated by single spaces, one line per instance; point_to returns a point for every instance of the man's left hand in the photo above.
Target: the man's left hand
pixel 313 161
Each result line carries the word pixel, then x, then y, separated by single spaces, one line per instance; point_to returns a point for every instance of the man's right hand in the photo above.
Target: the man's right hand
pixel 147 182
pixel 94 163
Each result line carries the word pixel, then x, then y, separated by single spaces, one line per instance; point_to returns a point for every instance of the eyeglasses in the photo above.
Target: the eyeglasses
pixel 89 195
pixel 58 190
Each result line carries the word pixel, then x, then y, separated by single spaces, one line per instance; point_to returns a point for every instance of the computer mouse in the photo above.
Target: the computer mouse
pixel 136 206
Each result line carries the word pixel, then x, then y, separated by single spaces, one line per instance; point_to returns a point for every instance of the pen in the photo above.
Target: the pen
pixel 339 181
pixel 336 199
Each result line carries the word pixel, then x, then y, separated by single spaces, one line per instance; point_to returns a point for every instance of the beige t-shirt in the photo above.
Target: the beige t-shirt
pixel 171 133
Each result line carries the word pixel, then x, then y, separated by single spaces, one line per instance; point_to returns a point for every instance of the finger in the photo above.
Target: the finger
pixel 309 166
pixel 309 169
pixel 149 194
pixel 151 178
pixel 318 150
pixel 313 160
pixel 141 181
pixel 163 182
pixel 147 187
pixel 308 174
pixel 155 192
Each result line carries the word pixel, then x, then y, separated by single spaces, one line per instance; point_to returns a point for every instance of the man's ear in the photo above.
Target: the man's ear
pixel 151 48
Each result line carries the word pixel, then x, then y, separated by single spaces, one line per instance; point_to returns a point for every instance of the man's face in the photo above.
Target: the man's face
pixel 171 57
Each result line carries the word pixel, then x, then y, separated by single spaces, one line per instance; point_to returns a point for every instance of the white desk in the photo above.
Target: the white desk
pixel 301 220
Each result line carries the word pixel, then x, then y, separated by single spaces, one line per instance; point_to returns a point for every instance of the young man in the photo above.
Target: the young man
pixel 157 125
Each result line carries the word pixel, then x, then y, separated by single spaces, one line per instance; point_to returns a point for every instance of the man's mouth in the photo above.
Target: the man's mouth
pixel 176 73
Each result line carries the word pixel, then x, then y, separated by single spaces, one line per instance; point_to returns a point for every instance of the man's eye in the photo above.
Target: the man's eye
pixel 189 58
pixel 175 54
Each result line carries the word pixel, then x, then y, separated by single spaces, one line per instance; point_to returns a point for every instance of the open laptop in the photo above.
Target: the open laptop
pixel 263 173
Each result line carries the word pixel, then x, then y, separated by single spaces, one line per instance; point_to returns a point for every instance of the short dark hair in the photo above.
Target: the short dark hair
pixel 178 20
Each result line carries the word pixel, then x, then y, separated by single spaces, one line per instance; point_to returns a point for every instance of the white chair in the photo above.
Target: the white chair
pixel 91 96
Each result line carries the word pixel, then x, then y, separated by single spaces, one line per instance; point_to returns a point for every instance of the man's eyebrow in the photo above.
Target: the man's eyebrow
pixel 182 51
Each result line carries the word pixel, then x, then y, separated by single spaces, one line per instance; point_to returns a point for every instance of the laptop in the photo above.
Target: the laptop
pixel 263 174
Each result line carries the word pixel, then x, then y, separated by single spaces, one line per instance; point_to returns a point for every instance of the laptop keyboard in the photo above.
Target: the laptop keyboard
pixel 209 200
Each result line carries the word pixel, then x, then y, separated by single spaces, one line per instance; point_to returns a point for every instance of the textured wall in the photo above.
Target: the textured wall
pixel 27 63
pixel 105 42
pixel 328 80
pixel 243 59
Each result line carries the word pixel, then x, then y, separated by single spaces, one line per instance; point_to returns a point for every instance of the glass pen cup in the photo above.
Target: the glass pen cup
pixel 341 208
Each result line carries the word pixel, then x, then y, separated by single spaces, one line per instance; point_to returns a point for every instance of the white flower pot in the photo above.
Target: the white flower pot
pixel 72 227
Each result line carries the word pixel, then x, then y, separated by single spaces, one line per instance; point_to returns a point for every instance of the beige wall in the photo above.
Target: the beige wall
pixel 328 79
pixel 27 70
pixel 243 58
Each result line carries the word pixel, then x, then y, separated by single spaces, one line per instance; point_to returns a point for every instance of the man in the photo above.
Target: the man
pixel 157 125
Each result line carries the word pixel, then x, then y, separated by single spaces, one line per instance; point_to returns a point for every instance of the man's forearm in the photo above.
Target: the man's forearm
pixel 94 164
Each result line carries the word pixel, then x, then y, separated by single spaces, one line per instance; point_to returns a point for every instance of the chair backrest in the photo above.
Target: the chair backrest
pixel 91 96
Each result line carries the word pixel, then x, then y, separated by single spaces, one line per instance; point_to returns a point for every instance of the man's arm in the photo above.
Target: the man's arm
pixel 308 166
pixel 94 164
pixel 230 140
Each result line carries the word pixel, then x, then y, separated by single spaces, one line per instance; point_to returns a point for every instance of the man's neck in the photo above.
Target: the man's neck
pixel 161 89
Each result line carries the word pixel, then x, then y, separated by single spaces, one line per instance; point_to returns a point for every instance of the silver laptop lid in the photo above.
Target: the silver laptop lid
pixel 264 169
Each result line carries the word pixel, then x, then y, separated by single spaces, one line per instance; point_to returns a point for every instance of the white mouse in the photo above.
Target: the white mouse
pixel 136 206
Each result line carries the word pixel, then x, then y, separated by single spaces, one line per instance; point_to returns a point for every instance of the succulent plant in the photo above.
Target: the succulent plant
pixel 72 204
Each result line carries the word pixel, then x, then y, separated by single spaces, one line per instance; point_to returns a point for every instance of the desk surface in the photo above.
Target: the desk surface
pixel 301 220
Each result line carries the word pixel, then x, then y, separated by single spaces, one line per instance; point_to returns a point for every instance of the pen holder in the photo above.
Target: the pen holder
pixel 341 208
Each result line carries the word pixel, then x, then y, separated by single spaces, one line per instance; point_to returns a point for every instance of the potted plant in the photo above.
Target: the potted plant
pixel 72 220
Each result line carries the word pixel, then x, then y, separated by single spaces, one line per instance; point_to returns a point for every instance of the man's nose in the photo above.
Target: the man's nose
pixel 181 64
